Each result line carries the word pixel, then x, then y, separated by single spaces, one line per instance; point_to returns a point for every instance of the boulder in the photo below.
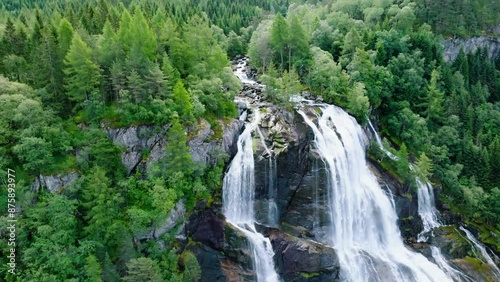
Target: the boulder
pixel 299 259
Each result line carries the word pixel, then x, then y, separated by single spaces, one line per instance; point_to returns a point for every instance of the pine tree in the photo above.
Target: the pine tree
pixel 101 203
pixel 171 75
pixel 142 269
pixel 435 100
pixel 82 75
pixel 124 33
pixel 177 157
pixel 494 154
pixel 93 269
pixel 65 36
pixel 142 37
pixel 182 102
pixel 110 48
pixel 280 39
pixel 298 53
pixel 155 82
pixel 135 84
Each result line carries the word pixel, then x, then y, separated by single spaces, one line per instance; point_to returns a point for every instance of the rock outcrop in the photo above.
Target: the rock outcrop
pixel 145 145
pixel 223 252
pixel 221 249
pixel 206 149
pixel 137 140
pixel 54 183
pixel 451 47
pixel 303 260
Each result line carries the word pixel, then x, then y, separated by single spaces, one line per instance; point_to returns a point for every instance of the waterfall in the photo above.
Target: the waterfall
pixel 379 142
pixel 452 272
pixel 425 193
pixel 482 249
pixel 238 203
pixel 426 209
pixel 428 213
pixel 363 225
pixel 272 192
pixel 240 72
pixel 271 176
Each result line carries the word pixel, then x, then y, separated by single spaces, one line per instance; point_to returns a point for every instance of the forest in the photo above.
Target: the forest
pixel 68 67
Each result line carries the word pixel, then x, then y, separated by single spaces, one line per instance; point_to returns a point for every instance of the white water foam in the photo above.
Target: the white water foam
pixel 363 225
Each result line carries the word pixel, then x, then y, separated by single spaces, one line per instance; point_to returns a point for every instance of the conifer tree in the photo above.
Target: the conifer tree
pixel 65 36
pixel 280 39
pixel 82 75
pixel 182 101
pixel 494 151
pixel 177 156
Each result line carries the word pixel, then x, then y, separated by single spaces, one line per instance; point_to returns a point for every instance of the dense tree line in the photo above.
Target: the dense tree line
pixel 459 17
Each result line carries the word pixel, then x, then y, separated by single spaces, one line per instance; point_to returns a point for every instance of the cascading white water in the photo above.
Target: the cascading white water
pixel 380 144
pixel 426 209
pixel 452 272
pixel 425 193
pixel 271 175
pixel 238 203
pixel 240 72
pixel 363 225
pixel 482 249
pixel 428 213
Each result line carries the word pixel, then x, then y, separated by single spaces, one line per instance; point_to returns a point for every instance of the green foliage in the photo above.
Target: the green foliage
pixel 192 270
pixel 357 102
pixel 458 18
pixel 182 102
pixel 101 203
pixel 142 269
pixel 82 75
pixel 146 62
pixel 177 152
pixel 327 78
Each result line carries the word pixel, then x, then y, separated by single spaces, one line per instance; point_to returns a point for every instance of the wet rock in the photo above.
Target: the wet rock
pixel 405 200
pixel 299 259
pixel 54 183
pixel 231 132
pixel 219 246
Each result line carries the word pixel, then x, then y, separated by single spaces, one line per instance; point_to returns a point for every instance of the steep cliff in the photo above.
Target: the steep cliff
pixel 451 47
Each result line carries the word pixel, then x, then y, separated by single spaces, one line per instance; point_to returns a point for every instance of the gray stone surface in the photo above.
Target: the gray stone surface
pixel 451 47
pixel 136 140
pixel 54 183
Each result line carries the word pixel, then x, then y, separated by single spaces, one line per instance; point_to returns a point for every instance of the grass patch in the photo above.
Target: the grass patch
pixel 309 274
pixel 488 234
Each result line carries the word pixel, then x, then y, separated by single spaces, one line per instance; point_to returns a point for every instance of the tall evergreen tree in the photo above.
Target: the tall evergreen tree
pixel 280 39
pixel 82 74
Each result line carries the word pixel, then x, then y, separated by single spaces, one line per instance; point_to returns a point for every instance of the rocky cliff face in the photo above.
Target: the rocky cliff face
pixel 53 183
pixel 143 145
pixel 291 175
pixel 136 140
pixel 451 47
